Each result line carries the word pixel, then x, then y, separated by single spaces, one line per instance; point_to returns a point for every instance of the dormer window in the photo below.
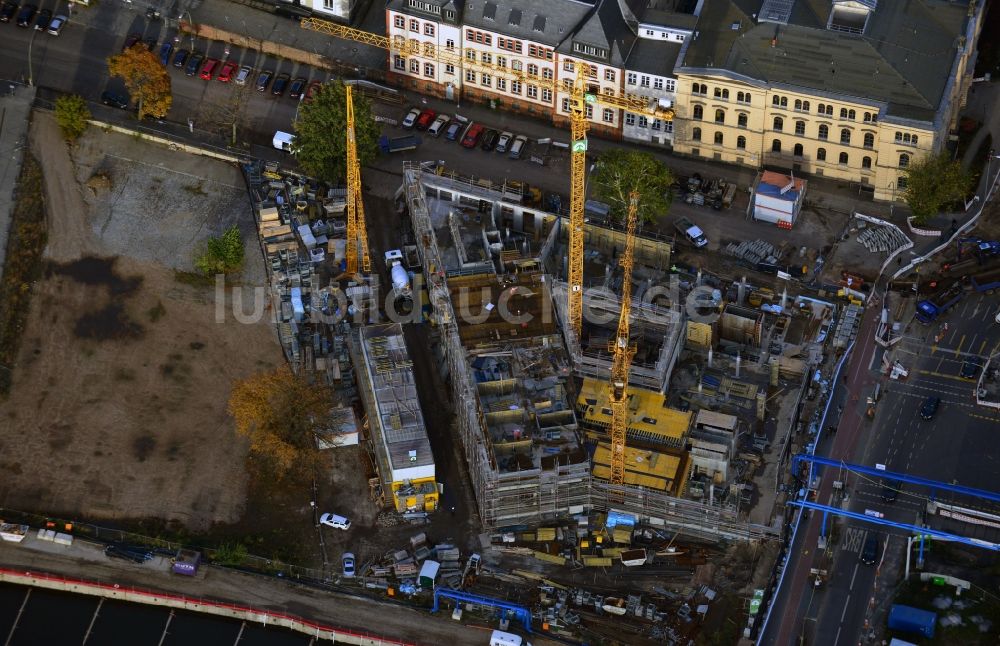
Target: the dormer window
pixel 426 7
pixel 590 50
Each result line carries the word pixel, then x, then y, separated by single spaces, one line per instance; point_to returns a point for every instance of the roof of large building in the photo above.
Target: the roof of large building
pixel 612 27
pixel 549 23
pixel 901 55
pixel 654 57
pixel 400 422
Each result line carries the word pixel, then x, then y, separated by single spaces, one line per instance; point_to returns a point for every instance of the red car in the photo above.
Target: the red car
pixel 208 69
pixel 228 69
pixel 425 119
pixel 471 137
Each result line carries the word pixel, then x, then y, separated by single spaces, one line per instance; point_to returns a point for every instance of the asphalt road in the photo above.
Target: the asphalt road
pixel 949 448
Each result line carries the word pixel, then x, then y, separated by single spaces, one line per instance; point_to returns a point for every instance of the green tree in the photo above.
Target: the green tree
pixel 279 412
pixel 223 255
pixel 72 115
pixel 620 172
pixel 147 81
pixel 933 183
pixel 320 133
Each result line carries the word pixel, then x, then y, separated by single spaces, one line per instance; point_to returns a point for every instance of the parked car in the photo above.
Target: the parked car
pixel 114 100
pixel 970 369
pixel 489 139
pixel 280 84
pixel 166 49
pixel 264 79
pixel 348 560
pixel 296 88
pixel 503 142
pixel 472 135
pixel 131 40
pixel 518 146
pixel 56 25
pixel 454 129
pixel 425 119
pixel 890 489
pixel 243 75
pixel 437 128
pixel 335 521
pixel 7 11
pixel 227 71
pixel 311 91
pixel 930 407
pixel 150 44
pixel 180 57
pixel 43 19
pixel 27 15
pixel 208 69
pixel 194 63
pixel 411 118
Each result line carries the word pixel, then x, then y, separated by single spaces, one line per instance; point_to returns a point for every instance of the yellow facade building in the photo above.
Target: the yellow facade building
pixel 849 89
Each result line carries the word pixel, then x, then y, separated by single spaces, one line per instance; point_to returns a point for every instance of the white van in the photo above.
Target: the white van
pixel 283 141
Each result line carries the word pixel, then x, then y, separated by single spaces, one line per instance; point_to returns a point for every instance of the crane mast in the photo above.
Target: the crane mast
pixel 357 230
pixel 579 98
pixel 623 351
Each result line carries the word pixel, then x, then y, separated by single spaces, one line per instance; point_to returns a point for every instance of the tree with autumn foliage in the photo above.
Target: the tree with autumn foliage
pixel 146 80
pixel 279 412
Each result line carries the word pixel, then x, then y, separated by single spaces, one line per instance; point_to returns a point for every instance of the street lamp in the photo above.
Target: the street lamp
pixel 891 186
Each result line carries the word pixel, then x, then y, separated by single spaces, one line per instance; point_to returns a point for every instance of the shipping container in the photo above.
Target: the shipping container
pixel 912 620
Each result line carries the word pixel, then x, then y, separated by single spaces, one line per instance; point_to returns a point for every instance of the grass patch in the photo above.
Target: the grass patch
pixel 156 312
pixel 194 279
pixel 22 265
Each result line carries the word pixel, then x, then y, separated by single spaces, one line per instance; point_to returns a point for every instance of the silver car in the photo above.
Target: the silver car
pixel 503 142
pixel 243 75
pixel 56 25
pixel 348 561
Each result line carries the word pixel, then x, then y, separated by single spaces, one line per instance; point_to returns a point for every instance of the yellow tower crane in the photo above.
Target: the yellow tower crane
pixel 582 93
pixel 623 350
pixel 357 230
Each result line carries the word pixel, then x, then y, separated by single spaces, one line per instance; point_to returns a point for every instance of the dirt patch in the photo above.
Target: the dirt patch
pixel 118 408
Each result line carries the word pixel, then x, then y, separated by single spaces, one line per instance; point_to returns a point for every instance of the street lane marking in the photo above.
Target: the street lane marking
pixel 847 603
pixel 959 348
pixel 941 375
pixel 853 576
pixel 982 347
pixel 995 420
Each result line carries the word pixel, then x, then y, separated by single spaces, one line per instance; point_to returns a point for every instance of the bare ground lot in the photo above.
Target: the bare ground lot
pixel 118 409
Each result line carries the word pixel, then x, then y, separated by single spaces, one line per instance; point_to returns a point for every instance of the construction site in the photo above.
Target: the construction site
pixel 607 398
pixel 538 440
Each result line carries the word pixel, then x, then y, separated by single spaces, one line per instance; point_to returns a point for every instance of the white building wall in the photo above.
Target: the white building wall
pixel 402 29
pixel 660 32
pixel 645 129
pixel 608 80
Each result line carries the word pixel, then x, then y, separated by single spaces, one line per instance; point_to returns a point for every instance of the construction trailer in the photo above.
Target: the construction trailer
pixel 777 198
pixel 519 434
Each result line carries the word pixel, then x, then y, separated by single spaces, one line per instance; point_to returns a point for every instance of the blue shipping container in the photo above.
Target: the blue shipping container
pixel 912 620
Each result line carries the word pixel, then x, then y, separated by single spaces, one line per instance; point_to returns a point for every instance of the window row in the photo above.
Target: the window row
pixel 658 83
pixel 644 122
pixel 719 93
pixel 428 27
pixel 906 138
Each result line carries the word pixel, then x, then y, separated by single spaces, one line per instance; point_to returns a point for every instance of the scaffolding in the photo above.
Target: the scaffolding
pixel 560 484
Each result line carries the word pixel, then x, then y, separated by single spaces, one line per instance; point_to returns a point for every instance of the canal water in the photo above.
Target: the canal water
pixel 52 617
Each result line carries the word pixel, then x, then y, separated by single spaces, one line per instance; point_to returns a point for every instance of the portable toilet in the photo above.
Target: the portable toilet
pixel 428 574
